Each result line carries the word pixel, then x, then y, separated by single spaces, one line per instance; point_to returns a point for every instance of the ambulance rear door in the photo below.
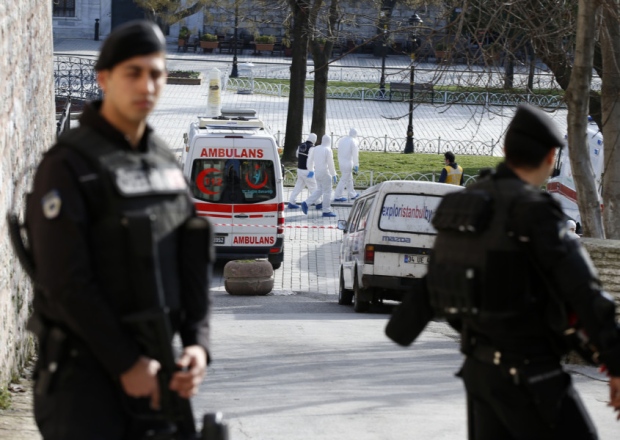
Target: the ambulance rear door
pixel 257 192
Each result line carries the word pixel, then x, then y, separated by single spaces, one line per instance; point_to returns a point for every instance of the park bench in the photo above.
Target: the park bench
pixel 403 89
pixel 192 43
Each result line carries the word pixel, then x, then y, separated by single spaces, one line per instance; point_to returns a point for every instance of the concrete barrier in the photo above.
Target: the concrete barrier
pixel 248 277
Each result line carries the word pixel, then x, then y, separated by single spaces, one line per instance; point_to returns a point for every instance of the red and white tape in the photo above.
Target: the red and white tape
pixel 283 226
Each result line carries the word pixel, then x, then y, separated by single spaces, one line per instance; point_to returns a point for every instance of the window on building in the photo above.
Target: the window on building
pixel 63 8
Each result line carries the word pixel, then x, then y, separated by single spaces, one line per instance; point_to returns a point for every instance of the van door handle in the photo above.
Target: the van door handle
pixel 241 216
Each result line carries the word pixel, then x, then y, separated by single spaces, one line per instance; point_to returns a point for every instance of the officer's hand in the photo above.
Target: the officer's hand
pixel 614 394
pixel 310 174
pixel 356 169
pixel 335 179
pixel 141 380
pixel 193 363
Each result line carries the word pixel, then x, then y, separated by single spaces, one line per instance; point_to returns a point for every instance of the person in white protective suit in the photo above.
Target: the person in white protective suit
pixel 325 173
pixel 571 227
pixel 305 175
pixel 348 159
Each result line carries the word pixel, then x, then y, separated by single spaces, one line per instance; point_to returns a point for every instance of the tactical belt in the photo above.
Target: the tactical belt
pixel 491 355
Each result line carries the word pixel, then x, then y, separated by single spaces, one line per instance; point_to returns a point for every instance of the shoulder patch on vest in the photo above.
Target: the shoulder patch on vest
pixel 51 204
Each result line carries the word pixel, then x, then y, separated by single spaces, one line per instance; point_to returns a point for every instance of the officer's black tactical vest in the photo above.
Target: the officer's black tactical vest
pixel 302 155
pixel 478 269
pixel 120 183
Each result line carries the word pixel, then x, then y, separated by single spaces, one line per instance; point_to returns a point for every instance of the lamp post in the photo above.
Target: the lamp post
pixel 235 73
pixel 414 21
pixel 383 55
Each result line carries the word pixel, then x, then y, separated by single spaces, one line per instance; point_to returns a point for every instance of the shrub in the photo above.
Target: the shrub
pixel 265 39
pixel 208 37
pixel 184 33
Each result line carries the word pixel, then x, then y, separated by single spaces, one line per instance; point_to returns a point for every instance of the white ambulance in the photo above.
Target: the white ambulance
pixel 387 240
pixel 562 185
pixel 235 178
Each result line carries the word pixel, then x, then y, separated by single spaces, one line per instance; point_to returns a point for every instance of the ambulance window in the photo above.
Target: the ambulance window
pixel 233 180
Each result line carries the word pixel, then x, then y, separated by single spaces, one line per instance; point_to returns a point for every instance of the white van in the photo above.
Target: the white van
pixel 387 241
pixel 562 185
pixel 235 178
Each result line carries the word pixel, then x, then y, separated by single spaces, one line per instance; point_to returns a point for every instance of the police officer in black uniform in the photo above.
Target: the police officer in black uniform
pixel 506 274
pixel 90 192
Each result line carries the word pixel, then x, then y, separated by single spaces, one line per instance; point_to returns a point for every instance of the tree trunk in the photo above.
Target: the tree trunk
pixel 531 56
pixel 509 71
pixel 577 99
pixel 610 93
pixel 299 64
pixel 319 107
pixel 321 73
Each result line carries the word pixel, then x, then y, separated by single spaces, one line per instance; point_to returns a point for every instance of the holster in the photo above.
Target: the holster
pixel 53 352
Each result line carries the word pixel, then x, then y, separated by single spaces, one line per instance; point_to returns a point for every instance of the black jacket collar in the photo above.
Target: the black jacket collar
pixel 91 117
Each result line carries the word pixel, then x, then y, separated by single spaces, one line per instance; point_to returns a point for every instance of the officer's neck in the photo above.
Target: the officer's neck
pixel 533 176
pixel 132 130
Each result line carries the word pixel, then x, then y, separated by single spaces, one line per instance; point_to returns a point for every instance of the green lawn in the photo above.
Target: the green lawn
pixel 417 163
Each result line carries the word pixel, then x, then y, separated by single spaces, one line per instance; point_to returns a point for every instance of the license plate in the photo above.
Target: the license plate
pixel 417 259
pixel 219 240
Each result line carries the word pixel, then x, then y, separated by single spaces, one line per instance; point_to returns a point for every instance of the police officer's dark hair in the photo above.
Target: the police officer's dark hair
pixel 530 136
pixel 449 155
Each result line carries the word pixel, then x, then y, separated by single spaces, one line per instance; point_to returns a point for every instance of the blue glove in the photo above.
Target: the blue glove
pixel 355 169
pixel 310 174
pixel 335 179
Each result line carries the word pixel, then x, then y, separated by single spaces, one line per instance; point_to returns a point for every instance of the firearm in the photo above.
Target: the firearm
pixel 152 329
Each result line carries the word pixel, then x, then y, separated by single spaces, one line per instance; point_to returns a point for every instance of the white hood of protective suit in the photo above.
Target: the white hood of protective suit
pixel 326 141
pixel 353 132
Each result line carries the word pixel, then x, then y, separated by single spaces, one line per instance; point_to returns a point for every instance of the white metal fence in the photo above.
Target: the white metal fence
pixel 438 97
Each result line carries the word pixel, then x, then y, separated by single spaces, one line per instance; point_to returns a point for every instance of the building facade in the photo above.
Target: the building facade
pixel 358 19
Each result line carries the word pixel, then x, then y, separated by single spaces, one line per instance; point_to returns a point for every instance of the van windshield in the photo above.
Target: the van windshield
pixel 233 180
pixel 409 213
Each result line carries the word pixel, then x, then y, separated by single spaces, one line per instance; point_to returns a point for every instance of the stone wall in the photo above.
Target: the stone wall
pixel 606 257
pixel 27 127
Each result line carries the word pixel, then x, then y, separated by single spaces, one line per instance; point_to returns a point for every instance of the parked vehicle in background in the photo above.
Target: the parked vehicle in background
pixel 235 177
pixel 562 185
pixel 387 240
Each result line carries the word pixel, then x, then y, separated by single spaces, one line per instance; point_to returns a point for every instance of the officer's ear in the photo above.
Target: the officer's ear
pixel 102 79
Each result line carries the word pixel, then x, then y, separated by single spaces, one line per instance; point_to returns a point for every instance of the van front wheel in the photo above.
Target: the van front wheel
pixel 345 297
pixel 359 305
